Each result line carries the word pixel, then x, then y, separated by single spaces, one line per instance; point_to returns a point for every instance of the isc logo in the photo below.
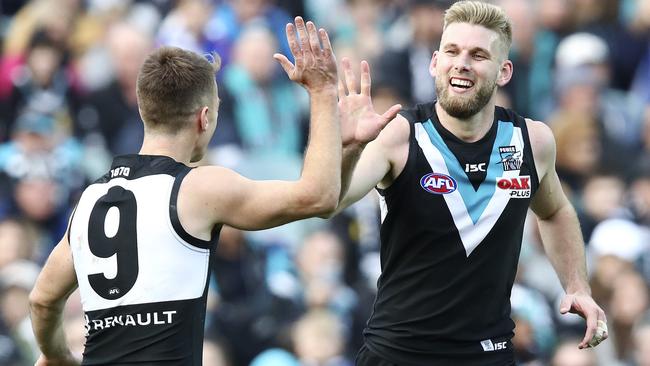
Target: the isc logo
pixel 489 346
pixel 438 183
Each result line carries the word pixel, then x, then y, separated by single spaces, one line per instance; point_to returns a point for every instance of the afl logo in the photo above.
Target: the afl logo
pixel 438 183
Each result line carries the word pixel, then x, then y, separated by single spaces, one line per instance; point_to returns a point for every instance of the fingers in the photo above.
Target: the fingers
pixel 325 40
pixel 365 78
pixel 601 330
pixel 592 320
pixel 341 87
pixel 390 114
pixel 314 42
pixel 302 33
pixel 284 62
pixel 294 46
pixel 350 78
pixel 566 303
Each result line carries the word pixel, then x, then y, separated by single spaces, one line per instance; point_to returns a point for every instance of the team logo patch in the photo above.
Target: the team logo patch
pixel 510 158
pixel 518 187
pixel 438 183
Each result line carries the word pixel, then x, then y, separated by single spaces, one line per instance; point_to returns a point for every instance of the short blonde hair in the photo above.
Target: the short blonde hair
pixel 480 13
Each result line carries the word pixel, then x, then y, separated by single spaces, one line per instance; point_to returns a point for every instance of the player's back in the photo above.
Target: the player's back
pixel 142 278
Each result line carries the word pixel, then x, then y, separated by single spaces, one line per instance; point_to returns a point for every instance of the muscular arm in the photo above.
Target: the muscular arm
pixel 377 164
pixel 371 151
pixel 561 236
pixel 46 301
pixel 214 195
pixel 229 198
pixel 560 232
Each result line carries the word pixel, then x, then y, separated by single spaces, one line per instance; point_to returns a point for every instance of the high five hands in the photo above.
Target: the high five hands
pixel 315 65
pixel 360 124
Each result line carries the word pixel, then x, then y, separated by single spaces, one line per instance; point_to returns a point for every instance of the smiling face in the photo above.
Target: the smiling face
pixel 469 65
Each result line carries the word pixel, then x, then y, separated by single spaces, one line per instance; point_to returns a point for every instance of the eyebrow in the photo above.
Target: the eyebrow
pixel 472 50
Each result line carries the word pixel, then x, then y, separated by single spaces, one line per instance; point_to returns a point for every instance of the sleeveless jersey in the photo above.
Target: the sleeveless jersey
pixel 142 278
pixel 452 224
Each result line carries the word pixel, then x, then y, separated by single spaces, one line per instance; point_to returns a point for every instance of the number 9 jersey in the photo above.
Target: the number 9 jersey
pixel 142 278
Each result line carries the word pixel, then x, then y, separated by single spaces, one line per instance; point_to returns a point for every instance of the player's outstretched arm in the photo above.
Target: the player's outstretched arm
pixel 54 285
pixel 562 239
pixel 231 199
pixel 365 161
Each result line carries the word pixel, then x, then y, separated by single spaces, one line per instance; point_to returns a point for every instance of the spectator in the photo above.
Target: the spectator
pixel 231 17
pixel 319 339
pixel 568 354
pixel 113 110
pixel 641 334
pixel 254 106
pixel 44 84
pixel 409 62
pixel 183 26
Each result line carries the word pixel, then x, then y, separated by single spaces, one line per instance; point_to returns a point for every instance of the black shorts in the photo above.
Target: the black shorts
pixel 366 357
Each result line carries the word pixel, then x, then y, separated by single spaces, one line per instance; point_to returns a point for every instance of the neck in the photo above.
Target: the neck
pixel 178 147
pixel 471 129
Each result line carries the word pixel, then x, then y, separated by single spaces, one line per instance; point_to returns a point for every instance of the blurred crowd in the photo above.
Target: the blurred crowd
pixel 300 294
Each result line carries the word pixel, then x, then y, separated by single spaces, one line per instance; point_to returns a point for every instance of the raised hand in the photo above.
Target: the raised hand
pixel 315 67
pixel 360 123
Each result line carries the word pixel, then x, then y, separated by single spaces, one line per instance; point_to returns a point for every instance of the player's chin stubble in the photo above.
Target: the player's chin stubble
pixel 462 107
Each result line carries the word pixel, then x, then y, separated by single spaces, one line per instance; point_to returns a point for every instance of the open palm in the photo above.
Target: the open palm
pixel 360 124
pixel 315 66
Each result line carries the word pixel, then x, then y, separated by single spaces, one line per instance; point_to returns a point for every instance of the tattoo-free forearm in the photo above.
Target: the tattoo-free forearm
pixel 47 323
pixel 351 155
pixel 564 247
pixel 322 164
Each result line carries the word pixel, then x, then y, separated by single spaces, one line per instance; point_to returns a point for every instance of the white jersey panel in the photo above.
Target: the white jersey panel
pixel 168 267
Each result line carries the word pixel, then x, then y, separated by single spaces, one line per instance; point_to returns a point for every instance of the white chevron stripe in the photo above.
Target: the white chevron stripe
pixel 470 234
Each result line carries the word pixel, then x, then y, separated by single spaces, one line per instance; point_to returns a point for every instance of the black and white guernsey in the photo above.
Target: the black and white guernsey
pixel 452 225
pixel 143 279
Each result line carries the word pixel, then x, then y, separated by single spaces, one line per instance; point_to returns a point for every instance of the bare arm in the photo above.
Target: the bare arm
pixel 561 236
pixel 228 198
pixel 366 147
pixel 54 285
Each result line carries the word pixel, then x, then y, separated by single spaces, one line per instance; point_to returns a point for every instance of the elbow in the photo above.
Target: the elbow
pixel 326 206
pixel 321 204
pixel 38 302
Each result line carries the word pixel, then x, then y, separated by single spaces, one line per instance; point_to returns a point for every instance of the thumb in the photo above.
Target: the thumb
pixel 390 114
pixel 566 303
pixel 284 62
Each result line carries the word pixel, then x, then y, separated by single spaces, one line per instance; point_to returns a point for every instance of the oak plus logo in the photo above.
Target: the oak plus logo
pixel 517 187
pixel 438 183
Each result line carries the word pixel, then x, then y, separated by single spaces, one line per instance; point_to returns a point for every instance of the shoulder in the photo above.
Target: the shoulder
pixel 542 143
pixel 396 133
pixel 208 178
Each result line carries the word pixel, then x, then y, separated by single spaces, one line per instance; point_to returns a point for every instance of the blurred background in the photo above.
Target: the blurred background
pixel 301 294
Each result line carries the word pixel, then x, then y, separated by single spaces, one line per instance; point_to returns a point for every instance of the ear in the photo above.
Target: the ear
pixel 204 121
pixel 505 73
pixel 433 64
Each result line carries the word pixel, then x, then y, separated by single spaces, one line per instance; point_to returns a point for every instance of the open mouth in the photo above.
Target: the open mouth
pixel 459 83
